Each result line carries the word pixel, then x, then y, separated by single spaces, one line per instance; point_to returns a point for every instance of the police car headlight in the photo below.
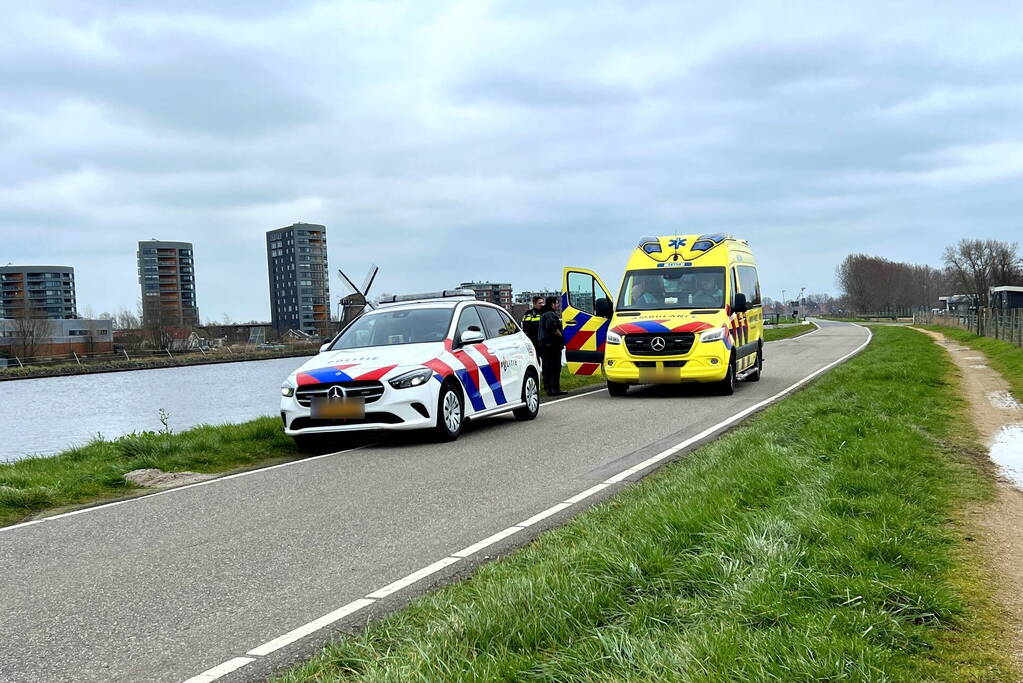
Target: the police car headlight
pixel 713 335
pixel 614 338
pixel 416 378
pixel 287 390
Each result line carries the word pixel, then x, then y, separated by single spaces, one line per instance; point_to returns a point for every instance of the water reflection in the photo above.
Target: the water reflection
pixel 1007 452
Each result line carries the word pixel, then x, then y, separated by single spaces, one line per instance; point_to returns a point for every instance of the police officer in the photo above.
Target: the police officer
pixel 552 341
pixel 531 322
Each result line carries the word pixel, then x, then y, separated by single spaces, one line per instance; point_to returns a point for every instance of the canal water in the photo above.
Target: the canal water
pixel 46 415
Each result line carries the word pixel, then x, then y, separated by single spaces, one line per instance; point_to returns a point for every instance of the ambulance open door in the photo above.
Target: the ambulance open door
pixel 586 311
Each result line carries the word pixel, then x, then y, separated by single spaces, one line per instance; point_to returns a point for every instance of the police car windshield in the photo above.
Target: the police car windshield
pixel 390 328
pixel 668 287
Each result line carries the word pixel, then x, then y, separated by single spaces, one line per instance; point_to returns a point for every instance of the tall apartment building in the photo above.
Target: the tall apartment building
pixel 167 278
pixel 499 293
pixel 296 258
pixel 41 291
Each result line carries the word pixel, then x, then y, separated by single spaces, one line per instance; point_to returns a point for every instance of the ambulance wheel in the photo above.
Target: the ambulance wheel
pixel 759 367
pixel 617 388
pixel 450 413
pixel 530 397
pixel 726 387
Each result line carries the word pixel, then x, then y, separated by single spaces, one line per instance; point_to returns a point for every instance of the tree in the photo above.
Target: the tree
pixel 30 330
pixel 974 266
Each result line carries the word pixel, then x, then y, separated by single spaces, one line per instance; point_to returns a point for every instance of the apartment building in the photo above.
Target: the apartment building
pixel 499 293
pixel 38 291
pixel 296 258
pixel 167 279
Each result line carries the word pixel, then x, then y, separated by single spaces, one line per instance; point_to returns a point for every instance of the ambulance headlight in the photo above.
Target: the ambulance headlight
pixel 416 378
pixel 614 338
pixel 713 335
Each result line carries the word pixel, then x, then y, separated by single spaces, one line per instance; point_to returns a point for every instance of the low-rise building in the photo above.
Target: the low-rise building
pixel 1006 297
pixel 527 297
pixel 35 337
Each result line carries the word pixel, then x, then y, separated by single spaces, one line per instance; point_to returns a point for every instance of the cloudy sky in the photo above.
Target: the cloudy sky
pixel 501 140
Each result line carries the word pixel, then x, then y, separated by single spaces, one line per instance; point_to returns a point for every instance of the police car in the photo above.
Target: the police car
pixel 427 361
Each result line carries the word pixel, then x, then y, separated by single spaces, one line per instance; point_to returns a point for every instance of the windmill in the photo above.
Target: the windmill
pixel 352 305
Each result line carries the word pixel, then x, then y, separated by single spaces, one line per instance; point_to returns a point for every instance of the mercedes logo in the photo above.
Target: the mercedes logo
pixel 658 343
pixel 335 392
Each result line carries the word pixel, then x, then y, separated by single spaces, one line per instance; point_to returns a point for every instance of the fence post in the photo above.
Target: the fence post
pixel 76 357
pixel 125 354
pixel 19 362
pixel 168 352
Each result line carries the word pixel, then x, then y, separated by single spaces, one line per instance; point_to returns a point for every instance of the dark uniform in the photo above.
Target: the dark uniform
pixel 551 343
pixel 531 326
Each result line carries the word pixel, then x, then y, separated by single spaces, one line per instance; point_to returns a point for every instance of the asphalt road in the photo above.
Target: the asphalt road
pixel 165 587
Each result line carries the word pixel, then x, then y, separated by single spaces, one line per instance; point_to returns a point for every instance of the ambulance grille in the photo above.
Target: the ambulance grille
pixel 675 344
pixel 370 390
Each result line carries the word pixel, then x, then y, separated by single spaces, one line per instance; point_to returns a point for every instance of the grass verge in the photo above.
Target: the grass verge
pixel 818 541
pixel 777 334
pixel 1004 357
pixel 93 472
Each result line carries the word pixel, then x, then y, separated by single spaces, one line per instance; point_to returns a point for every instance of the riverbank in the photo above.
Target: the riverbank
pixel 91 367
pixel 827 539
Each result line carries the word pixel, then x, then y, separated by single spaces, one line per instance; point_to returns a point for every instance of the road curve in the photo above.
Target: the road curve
pixel 165 587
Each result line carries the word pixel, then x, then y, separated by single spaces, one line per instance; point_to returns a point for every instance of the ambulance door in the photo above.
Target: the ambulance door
pixel 586 311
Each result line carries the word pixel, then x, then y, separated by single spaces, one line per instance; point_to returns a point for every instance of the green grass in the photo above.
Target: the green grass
pixel 1004 357
pixel 787 332
pixel 570 381
pixel 818 542
pixel 94 471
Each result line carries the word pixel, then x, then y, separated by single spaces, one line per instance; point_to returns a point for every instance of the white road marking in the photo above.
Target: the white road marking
pixel 220 670
pixel 490 540
pixel 315 625
pixel 413 578
pixel 586 494
pixel 540 516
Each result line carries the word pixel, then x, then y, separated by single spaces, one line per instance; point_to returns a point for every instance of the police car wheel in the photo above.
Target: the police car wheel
pixel 617 388
pixel 530 397
pixel 450 413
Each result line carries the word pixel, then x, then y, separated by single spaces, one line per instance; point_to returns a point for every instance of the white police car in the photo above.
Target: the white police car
pixel 420 361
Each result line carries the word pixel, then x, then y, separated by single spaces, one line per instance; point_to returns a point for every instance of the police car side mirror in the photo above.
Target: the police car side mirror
pixel 471 337
pixel 740 305
pixel 602 307
pixel 324 347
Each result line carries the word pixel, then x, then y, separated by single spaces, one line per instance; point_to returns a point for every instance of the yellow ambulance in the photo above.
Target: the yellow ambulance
pixel 688 310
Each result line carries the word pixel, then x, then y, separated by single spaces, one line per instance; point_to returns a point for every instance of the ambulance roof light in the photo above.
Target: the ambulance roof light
pixel 706 242
pixel 650 245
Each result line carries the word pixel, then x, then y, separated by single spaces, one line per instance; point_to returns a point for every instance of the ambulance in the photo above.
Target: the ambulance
pixel 688 310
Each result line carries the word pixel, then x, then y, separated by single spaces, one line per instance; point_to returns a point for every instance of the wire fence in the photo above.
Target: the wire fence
pixel 1006 325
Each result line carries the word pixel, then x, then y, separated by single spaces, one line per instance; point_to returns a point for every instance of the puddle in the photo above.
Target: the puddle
pixel 1003 400
pixel 1007 453
pixel 974 358
pixel 979 367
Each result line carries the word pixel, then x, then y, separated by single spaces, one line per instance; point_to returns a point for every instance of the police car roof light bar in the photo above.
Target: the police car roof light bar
pixel 427 296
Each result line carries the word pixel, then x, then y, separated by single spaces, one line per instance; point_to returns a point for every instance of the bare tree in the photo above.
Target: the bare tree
pixel 871 283
pixel 31 329
pixel 974 266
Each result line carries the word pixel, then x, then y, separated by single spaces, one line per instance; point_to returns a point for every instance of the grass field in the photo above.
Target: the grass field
pixel 1004 357
pixel 787 332
pixel 819 541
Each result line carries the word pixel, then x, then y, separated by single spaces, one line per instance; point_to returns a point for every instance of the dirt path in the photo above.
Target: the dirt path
pixel 1000 522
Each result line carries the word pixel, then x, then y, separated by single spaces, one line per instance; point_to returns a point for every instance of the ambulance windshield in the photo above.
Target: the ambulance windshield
pixel 663 288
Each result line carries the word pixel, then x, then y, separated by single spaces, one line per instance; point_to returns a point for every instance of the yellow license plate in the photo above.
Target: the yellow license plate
pixel 339 408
